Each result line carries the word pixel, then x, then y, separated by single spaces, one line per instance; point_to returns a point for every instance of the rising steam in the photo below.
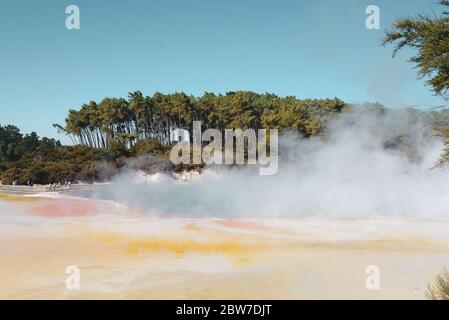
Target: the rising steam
pixel 369 163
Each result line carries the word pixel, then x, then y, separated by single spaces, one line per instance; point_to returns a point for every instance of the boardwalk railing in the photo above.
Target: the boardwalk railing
pixel 33 189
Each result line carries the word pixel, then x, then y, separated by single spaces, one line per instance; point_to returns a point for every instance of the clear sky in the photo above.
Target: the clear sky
pixel 306 48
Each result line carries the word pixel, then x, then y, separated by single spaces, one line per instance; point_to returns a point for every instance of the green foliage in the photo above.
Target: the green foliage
pixel 115 130
pixel 25 158
pixel 149 146
pixel 106 134
pixel 443 162
pixel 439 290
pixel 430 37
pixel 154 117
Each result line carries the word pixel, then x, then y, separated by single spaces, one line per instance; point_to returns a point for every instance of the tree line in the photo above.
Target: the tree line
pixel 42 160
pixel 107 133
pixel 139 117
pixel 26 157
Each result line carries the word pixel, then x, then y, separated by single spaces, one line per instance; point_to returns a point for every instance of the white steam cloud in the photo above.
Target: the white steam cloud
pixel 368 164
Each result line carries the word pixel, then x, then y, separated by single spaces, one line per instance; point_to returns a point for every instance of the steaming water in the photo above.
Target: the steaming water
pixel 369 164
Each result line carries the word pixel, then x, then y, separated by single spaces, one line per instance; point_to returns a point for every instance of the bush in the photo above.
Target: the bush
pixel 149 146
pixel 439 290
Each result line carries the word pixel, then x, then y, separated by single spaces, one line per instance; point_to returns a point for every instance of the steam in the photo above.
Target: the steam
pixel 370 163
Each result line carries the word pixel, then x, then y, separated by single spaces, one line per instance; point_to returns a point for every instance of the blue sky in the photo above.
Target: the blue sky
pixel 306 48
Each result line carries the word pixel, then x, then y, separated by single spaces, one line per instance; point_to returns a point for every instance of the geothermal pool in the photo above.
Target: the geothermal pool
pixel 124 252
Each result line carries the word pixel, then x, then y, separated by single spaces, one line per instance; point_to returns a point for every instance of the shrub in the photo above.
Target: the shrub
pixel 439 290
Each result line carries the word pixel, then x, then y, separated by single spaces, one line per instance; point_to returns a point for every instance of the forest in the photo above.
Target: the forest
pixel 107 135
pixel 138 118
